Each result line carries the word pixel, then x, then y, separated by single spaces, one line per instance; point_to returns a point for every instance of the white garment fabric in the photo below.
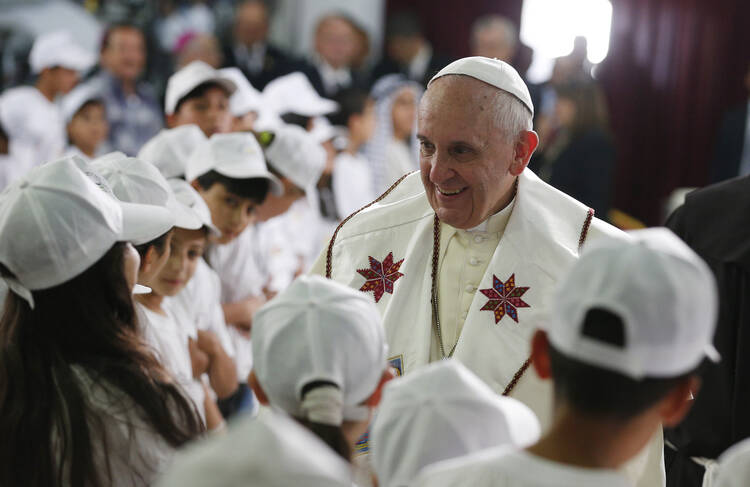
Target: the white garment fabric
pixel 270 450
pixel 136 454
pixel 33 122
pixel 352 183
pixel 419 63
pixel 15 164
pixel 334 79
pixel 168 336
pixel 500 467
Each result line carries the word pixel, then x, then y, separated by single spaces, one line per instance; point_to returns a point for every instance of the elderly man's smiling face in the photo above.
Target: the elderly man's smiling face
pixel 469 166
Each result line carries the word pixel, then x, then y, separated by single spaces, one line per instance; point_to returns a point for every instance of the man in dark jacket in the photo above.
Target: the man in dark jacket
pixel 715 222
pixel 732 152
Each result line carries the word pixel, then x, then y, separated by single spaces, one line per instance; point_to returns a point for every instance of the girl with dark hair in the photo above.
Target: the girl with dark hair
pixel 82 399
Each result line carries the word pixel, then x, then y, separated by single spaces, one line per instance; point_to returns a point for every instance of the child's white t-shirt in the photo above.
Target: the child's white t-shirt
pixel 168 335
pixel 352 183
pixel 500 467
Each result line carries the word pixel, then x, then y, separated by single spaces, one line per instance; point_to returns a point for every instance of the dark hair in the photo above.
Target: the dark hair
pixel 107 36
pixel 255 189
pixel 403 24
pixel 50 431
pixel 352 101
pixel 159 243
pixel 590 105
pixel 332 436
pixel 198 92
pixel 91 102
pixel 296 119
pixel 599 392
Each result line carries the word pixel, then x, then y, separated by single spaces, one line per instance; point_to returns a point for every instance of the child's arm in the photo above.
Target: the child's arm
pixel 222 372
pixel 240 313
pixel 198 359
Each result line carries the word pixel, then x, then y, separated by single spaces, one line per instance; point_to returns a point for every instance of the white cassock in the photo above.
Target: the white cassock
pixel 494 318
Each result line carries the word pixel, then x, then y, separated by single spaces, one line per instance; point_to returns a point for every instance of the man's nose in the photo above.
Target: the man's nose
pixel 440 168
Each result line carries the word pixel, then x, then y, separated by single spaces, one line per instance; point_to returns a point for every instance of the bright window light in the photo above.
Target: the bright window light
pixel 549 27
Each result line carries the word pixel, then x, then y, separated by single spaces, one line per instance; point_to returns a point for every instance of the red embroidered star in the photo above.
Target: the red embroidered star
pixel 381 276
pixel 505 297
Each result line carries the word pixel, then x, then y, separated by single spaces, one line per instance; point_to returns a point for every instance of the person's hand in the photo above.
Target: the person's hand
pixel 198 359
pixel 208 342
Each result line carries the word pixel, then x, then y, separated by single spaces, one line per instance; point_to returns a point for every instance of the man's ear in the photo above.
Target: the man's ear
pixel 524 147
pixel 675 406
pixel 540 354
pixel 388 374
pixel 252 381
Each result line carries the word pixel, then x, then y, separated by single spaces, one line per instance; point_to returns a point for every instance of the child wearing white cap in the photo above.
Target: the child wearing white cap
pixel 245 103
pixel 186 351
pixel 628 328
pixel 440 412
pixel 29 113
pixel 320 355
pixel 271 450
pixel 199 94
pixel 170 149
pixel 82 401
pixel 85 117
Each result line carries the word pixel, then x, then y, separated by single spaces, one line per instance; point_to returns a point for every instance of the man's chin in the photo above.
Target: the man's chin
pixel 455 218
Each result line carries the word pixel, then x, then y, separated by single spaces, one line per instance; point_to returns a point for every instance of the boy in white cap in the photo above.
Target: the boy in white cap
pixel 294 99
pixel 85 116
pixel 320 356
pixel 29 113
pixel 271 450
pixel 628 328
pixel 199 94
pixel 71 327
pixel 441 412
pixel 170 149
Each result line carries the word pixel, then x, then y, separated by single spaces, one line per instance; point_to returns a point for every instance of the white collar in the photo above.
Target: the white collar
pixel 419 64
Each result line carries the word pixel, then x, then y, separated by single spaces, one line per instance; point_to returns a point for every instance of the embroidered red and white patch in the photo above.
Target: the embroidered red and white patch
pixel 381 276
pixel 505 298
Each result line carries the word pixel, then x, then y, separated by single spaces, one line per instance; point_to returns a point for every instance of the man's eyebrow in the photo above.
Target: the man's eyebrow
pixel 421 137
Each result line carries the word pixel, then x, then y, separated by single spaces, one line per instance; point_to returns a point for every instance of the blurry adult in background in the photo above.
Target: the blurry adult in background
pixel 32 119
pixel 407 51
pixel 392 149
pixel 362 49
pixel 732 151
pixel 714 222
pixel 580 158
pixel 198 47
pixel 179 18
pixel 336 46
pixel 132 109
pixel 250 51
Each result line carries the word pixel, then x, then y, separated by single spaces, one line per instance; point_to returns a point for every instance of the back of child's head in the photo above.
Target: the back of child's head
pixel 319 354
pixel 254 189
pixel 632 320
pixel 170 149
pixel 352 101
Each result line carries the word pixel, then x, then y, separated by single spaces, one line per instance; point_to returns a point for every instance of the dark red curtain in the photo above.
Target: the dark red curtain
pixel 673 67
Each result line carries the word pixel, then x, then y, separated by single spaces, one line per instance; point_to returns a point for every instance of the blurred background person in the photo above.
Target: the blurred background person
pixel 250 50
pixel 494 36
pixel 335 48
pixel 133 111
pixel 392 150
pixel 732 148
pixel 407 51
pixel 198 47
pixel 579 159
pixel 178 18
pixel 30 114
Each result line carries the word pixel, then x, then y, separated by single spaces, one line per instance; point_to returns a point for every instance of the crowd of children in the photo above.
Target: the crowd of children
pixel 131 288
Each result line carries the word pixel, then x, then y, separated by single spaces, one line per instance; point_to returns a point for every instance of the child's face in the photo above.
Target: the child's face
pixel 403 112
pixel 244 123
pixel 89 128
pixel 210 112
pixel 186 248
pixel 277 205
pixel 363 124
pixel 153 262
pixel 229 212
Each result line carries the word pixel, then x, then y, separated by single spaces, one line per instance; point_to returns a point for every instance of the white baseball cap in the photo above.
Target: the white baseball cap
pixel 59 49
pixel 734 466
pixel 190 77
pixel 56 222
pixel 79 96
pixel 319 330
pixel 246 99
pixel 199 215
pixel 665 295
pixel 271 450
pixel 296 155
pixel 493 72
pixel 237 155
pixel 439 412
pixel 170 149
pixel 293 93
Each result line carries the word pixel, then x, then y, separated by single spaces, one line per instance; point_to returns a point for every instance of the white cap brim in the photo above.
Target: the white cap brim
pixel 188 219
pixel 143 223
pixel 241 172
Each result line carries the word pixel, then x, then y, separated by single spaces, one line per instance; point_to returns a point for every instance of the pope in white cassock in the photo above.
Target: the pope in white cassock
pixel 462 256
